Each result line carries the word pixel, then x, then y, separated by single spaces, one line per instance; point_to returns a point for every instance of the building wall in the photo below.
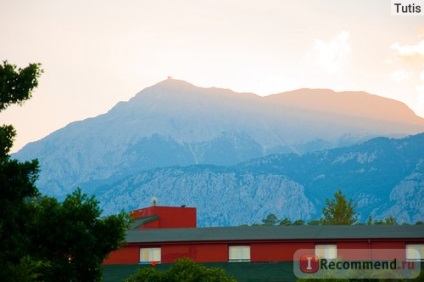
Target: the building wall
pixel 276 251
pixel 169 217
pixel 264 251
pixel 372 249
pixel 129 254
pixel 397 249
pixel 205 252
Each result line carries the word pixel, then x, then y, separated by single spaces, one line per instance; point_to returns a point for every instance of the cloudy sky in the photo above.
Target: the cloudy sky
pixel 98 52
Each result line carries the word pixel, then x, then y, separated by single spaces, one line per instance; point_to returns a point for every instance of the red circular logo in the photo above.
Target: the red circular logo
pixel 309 263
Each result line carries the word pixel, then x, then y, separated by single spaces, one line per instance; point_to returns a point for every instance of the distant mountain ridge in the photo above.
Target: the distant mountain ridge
pixel 174 123
pixel 384 177
pixel 348 103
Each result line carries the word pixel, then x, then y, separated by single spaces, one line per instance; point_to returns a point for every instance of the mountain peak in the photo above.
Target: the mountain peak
pixel 171 82
pixel 176 123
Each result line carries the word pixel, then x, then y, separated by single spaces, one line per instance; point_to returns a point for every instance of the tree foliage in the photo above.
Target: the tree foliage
pixel 339 211
pixel 271 219
pixel 16 84
pixel 298 222
pixel 75 239
pixel 42 239
pixel 17 180
pixel 182 270
pixel 387 221
pixel 315 222
pixel 285 222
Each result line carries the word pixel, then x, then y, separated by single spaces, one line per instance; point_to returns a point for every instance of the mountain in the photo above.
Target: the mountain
pixel 174 123
pixel 384 177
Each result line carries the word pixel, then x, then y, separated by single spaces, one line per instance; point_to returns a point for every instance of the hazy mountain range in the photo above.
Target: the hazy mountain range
pixel 227 152
pixel 384 177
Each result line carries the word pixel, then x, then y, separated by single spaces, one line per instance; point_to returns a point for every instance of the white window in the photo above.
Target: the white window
pixel 149 255
pixel 327 251
pixel 415 251
pixel 239 253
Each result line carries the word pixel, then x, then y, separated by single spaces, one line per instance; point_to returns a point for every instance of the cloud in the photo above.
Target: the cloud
pixel 410 57
pixel 416 50
pixel 422 76
pixel 420 88
pixel 331 55
pixel 400 75
pixel 420 98
pixel 407 63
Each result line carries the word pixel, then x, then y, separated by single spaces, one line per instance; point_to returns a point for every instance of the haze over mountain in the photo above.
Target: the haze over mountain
pixel 176 123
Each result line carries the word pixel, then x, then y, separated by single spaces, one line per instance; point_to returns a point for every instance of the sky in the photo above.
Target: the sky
pixel 99 52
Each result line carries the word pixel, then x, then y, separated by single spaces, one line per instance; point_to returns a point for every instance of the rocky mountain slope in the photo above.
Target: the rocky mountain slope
pixel 176 123
pixel 384 177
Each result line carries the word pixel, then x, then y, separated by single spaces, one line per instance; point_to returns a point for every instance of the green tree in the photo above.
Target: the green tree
pixel 390 220
pixel 299 222
pixel 315 222
pixel 28 270
pixel 271 219
pixel 16 178
pixel 387 221
pixel 285 222
pixel 147 274
pixel 73 237
pixel 339 211
pixel 182 270
pixel 40 238
pixel 16 85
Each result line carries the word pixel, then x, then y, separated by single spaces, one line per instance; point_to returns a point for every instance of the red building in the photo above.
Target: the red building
pixel 164 217
pixel 163 234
